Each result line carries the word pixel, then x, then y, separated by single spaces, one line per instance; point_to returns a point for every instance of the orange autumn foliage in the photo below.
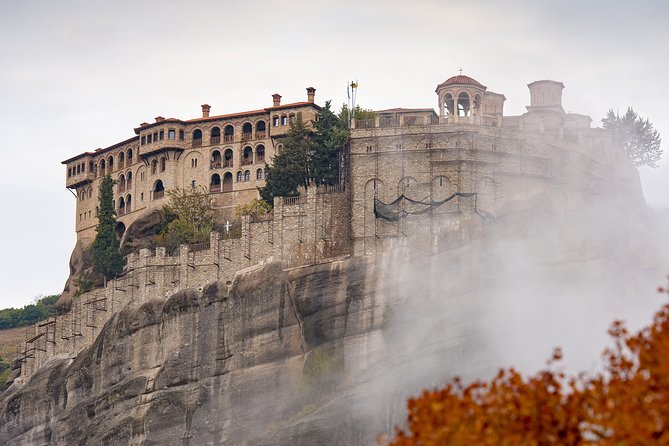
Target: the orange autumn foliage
pixel 627 404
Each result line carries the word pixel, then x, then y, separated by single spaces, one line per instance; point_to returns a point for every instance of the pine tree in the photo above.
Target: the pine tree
pixel 292 167
pixel 107 257
pixel 330 138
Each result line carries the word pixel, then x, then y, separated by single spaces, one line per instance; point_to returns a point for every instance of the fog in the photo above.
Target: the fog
pixel 537 280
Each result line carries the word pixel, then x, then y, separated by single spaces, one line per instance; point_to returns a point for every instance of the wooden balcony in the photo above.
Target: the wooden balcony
pixel 247 136
pixel 228 138
pixel 215 165
pixel 215 140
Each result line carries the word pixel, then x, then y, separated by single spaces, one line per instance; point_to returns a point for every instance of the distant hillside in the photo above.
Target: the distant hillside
pixel 19 317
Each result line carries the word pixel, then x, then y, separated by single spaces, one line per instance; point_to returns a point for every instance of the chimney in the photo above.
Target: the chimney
pixel 276 97
pixel 205 110
pixel 159 118
pixel 311 92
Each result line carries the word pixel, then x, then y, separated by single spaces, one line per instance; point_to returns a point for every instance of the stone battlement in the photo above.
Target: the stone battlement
pixel 300 231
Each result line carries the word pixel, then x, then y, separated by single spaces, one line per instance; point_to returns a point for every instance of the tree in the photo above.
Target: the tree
pixel 254 209
pixel 364 117
pixel 637 136
pixel 330 138
pixel 107 257
pixel 188 218
pixel 291 168
pixel 625 405
pixel 308 155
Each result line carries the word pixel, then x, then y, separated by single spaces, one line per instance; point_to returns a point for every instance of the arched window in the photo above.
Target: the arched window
pixel 215 184
pixel 240 176
pixel 247 175
pixel 227 158
pixel 91 167
pixel 128 203
pixel 477 103
pixel 227 182
pixel 247 156
pixel 121 206
pixel 69 172
pixel 102 167
pixel 283 120
pixel 163 163
pixel 128 180
pixel 129 157
pixel 197 138
pixel 464 106
pixel 449 105
pixel 260 154
pixel 215 135
pixel 158 190
pixel 260 130
pixel 228 133
pixel 121 160
pixel 121 183
pixel 110 164
pixel 215 159
pixel 247 131
pixel 259 174
pixel 154 166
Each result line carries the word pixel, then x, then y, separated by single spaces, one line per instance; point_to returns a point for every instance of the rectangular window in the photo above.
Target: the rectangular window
pixel 143 140
pixel 162 134
pixel 170 134
pixel 141 197
pixel 148 139
pixel 181 135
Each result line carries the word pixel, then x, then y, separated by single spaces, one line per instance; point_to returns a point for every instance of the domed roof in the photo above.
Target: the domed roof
pixel 461 79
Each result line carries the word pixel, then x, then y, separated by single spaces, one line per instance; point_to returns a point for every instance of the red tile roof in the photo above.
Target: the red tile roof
pixel 461 79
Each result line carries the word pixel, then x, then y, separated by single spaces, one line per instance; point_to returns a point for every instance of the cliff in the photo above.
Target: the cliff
pixel 255 362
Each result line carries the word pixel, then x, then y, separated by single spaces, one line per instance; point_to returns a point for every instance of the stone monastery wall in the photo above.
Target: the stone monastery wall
pixel 302 230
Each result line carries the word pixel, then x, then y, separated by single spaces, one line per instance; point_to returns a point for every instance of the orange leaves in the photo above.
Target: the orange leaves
pixel 626 405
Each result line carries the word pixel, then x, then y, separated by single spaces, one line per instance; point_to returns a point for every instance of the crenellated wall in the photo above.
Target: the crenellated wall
pixel 303 230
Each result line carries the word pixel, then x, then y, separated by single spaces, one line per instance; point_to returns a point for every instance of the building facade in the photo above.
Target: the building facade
pixel 406 163
pixel 225 153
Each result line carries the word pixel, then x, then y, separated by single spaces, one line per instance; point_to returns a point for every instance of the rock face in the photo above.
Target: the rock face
pixel 256 362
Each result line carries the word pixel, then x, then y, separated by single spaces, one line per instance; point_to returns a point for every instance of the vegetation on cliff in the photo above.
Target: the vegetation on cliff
pixel 29 314
pixel 637 135
pixel 107 257
pixel 309 155
pixel 626 404
pixel 188 218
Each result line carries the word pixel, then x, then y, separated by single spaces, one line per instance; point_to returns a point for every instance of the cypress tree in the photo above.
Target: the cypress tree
pixel 107 257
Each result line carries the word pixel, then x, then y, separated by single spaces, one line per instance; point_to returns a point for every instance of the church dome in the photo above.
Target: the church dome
pixel 461 79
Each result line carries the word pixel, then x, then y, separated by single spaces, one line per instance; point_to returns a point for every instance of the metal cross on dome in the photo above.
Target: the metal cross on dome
pixel 461 70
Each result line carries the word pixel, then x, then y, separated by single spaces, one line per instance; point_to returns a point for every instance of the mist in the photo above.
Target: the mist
pixel 537 280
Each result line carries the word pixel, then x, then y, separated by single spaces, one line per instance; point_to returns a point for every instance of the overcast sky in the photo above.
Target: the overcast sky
pixel 78 75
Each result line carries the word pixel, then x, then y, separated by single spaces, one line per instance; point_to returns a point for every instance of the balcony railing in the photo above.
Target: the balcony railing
pixel 228 138
pixel 121 211
pixel 214 188
pixel 227 187
pixel 247 161
pixel 260 158
pixel 197 142
pixel 215 140
pixel 227 163
pixel 247 136
pixel 157 195
pixel 215 165
pixel 260 134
